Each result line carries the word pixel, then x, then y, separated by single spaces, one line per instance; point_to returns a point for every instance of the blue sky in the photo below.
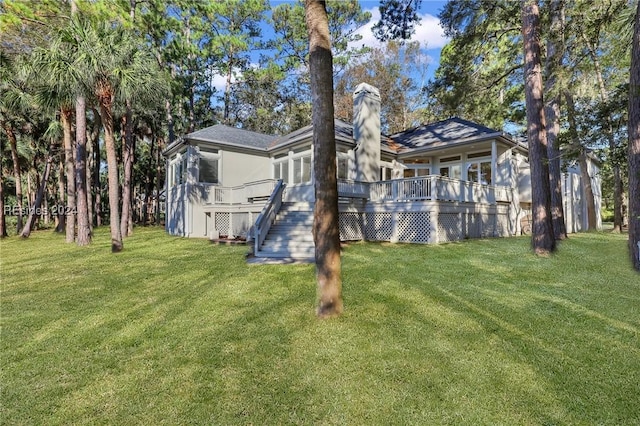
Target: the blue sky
pixel 428 32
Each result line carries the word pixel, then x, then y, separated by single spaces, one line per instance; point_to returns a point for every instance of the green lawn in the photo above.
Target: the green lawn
pixel 176 331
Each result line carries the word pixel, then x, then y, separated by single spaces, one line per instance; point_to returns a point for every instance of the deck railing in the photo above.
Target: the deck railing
pixel 267 216
pixel 240 194
pixel 353 189
pixel 432 187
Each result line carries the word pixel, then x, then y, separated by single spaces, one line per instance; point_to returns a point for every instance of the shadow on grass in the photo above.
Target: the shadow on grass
pixel 554 353
pixel 174 331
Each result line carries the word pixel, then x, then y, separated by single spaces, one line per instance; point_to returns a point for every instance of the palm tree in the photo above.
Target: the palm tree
pixel 53 137
pixel 56 85
pixel 15 104
pixel 118 68
pixel 634 146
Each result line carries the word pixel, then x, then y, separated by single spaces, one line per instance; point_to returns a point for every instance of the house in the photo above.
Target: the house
pixel 439 182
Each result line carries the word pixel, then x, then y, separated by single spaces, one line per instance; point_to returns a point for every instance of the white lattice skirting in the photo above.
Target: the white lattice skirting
pixel 235 224
pixel 421 227
pixel 460 226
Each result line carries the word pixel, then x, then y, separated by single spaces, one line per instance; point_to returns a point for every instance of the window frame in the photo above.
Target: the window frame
pixel 478 161
pixel 214 155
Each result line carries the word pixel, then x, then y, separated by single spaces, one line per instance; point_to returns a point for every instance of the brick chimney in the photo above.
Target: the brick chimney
pixel 366 132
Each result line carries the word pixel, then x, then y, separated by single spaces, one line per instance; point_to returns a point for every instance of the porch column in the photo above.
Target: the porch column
pixel 193 157
pixel 494 161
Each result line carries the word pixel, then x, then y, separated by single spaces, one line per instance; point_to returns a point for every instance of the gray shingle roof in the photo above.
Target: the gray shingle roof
pixel 227 135
pixel 435 135
pixel 442 133
pixel 342 129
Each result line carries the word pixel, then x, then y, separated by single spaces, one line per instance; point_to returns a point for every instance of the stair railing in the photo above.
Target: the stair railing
pixel 267 216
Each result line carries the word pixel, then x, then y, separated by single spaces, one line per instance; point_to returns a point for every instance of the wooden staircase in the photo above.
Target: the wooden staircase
pixel 290 237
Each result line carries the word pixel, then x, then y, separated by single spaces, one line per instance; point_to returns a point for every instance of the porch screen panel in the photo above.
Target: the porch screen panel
pixel 302 169
pixel 281 171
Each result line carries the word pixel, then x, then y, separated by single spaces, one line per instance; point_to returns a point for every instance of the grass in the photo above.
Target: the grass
pixel 175 331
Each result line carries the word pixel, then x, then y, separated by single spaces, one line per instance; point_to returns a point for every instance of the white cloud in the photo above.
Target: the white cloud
pixel 219 82
pixel 428 32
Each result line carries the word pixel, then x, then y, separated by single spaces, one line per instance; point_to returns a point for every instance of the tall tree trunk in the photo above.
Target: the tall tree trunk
pixel 159 182
pixel 192 78
pixel 634 146
pixel 592 219
pixel 70 210
pixel 31 197
pixel 84 227
pixel 618 190
pixel 127 159
pixel 61 225
pixel 326 233
pixel 112 177
pixel 552 115
pixel 167 107
pixel 543 239
pixel 97 185
pixel 89 184
pixel 148 184
pixel 3 222
pixel 34 211
pixel 227 91
pixel 13 144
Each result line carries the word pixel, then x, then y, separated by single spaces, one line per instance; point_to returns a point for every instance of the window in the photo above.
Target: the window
pixel 479 154
pixel 417 161
pixel 485 172
pixel 302 169
pixel 343 166
pixel 453 171
pixel 479 172
pixel 386 173
pixel 472 172
pixel 281 170
pixel 416 172
pixel 423 172
pixel 178 170
pixel 450 159
pixel 209 167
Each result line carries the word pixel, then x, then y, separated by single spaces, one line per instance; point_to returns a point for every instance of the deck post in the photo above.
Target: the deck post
pixel 394 227
pixel 433 183
pixel 433 223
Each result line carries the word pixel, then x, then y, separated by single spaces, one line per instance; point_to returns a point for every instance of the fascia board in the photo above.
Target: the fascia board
pixel 236 147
